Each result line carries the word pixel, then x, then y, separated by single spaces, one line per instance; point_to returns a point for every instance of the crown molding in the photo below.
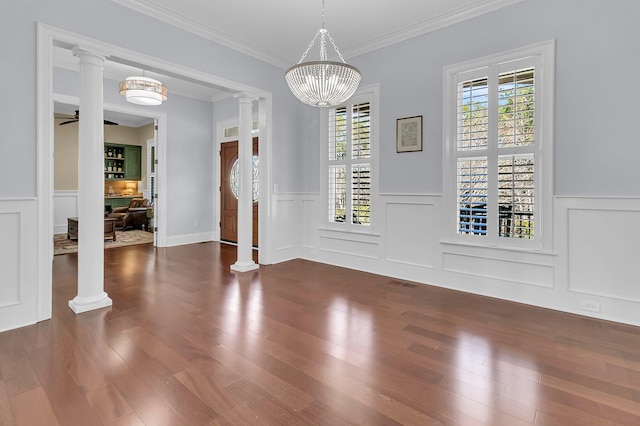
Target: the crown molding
pixel 430 25
pixel 172 18
pixel 189 25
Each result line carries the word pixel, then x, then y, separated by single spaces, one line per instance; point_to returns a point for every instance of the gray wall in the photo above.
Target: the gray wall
pixel 190 127
pixel 596 144
pixel 98 19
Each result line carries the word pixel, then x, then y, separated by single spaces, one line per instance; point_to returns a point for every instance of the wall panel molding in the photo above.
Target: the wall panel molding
pixel 11 262
pixel 410 232
pixel 18 263
pixel 290 219
pixel 499 269
pixel 601 241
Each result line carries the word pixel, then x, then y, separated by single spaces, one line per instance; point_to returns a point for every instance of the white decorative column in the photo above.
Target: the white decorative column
pixel 244 260
pixel 91 294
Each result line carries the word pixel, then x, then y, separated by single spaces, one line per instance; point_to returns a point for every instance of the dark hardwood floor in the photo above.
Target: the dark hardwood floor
pixel 302 343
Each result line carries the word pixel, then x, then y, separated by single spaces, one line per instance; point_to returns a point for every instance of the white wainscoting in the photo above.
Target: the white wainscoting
pixel 598 239
pixel 65 204
pixel 288 219
pixel 604 252
pixel 10 259
pixel 345 244
pixel 410 230
pixel 309 225
pixel 18 263
pixel 594 255
pixel 516 267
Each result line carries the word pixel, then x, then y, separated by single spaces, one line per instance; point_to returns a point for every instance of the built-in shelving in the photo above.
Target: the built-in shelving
pixel 122 162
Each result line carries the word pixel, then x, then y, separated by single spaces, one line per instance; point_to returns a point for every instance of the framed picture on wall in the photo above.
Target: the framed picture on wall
pixel 409 134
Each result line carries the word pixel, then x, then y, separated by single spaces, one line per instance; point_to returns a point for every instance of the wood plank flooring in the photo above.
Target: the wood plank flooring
pixel 187 342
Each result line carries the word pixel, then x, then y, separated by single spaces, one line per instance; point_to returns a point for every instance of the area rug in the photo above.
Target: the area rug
pixel 63 245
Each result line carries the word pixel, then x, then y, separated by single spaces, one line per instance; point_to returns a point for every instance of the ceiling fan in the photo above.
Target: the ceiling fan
pixel 75 118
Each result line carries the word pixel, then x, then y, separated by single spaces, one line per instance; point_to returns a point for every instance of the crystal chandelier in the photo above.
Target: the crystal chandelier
pixel 322 83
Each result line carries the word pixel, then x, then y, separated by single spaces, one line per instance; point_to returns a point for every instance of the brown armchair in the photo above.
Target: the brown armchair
pixel 135 215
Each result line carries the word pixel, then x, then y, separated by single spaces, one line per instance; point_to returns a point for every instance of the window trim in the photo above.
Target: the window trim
pixel 545 52
pixel 366 93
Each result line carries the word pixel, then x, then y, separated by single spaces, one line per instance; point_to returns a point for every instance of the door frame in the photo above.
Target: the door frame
pixel 153 143
pixel 254 138
pixel 46 37
pixel 221 126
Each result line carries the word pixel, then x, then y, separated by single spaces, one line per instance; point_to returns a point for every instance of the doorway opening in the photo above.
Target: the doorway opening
pixel 127 177
pixel 229 167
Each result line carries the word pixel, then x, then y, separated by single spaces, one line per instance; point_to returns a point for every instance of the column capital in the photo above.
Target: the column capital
pixel 87 53
pixel 246 97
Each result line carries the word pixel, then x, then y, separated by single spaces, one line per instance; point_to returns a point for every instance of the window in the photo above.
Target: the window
pixel 499 157
pixel 350 163
pixel 234 178
pixel 232 132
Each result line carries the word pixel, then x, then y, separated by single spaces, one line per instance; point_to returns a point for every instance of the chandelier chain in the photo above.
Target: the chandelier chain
pixel 304 55
pixel 333 43
pixel 322 32
pixel 323 46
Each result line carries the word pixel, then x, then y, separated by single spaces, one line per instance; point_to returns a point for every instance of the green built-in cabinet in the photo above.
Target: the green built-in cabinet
pixel 122 162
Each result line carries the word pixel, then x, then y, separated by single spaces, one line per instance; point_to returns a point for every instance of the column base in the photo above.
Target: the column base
pixel 244 266
pixel 84 304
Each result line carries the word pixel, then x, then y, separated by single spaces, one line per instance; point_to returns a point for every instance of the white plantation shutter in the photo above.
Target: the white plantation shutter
pixel 151 161
pixel 473 115
pixel 495 151
pixel 337 133
pixel 337 193
pixel 361 127
pixel 516 196
pixel 516 108
pixel 472 196
pixel 349 164
pixel 361 194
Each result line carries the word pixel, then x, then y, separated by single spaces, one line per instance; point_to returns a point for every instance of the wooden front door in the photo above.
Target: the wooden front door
pixel 228 199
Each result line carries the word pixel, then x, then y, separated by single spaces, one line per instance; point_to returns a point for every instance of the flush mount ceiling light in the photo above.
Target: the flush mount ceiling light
pixel 143 90
pixel 322 83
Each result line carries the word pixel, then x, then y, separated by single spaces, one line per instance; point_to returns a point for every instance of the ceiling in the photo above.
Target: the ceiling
pixel 279 31
pixel 64 58
pixel 357 27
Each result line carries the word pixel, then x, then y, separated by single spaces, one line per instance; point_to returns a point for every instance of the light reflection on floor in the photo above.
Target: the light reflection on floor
pixel 350 336
pixel 243 306
pixel 484 372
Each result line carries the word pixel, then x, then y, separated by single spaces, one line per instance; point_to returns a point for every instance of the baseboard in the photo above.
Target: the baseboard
pixel 180 240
